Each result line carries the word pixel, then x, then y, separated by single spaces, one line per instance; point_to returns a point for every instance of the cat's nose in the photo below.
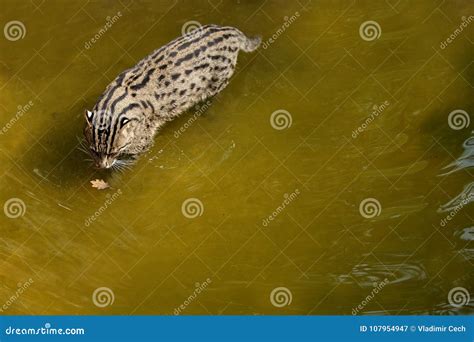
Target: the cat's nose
pixel 106 163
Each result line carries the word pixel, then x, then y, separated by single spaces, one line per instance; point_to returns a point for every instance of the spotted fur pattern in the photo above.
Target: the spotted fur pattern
pixel 161 86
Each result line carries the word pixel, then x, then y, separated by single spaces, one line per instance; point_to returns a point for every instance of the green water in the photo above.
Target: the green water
pixel 310 177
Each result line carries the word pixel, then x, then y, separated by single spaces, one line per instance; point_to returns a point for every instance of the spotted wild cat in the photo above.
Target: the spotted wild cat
pixel 161 86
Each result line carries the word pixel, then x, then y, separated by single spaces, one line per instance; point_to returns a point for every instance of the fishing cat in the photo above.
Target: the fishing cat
pixel 172 79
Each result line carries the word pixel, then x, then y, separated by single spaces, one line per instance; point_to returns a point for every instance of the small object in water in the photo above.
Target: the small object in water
pixel 160 87
pixel 100 184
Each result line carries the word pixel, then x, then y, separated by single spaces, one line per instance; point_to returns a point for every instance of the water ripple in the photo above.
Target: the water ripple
pixel 447 309
pixel 465 197
pixel 467 234
pixel 367 275
pixel 466 160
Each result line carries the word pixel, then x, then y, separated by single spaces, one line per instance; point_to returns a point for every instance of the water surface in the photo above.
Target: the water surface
pixel 347 191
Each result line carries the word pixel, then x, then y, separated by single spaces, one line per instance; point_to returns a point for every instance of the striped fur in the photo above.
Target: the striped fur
pixel 161 86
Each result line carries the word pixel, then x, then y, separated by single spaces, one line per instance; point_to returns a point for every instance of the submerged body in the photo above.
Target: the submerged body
pixel 160 87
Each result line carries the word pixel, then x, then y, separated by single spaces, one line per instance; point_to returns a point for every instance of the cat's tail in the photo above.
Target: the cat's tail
pixel 250 44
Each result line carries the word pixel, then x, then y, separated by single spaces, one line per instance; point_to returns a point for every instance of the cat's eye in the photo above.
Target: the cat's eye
pixel 124 121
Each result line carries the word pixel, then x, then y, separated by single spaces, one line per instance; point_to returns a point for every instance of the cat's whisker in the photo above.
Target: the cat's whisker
pixel 82 142
pixel 118 167
pixel 82 149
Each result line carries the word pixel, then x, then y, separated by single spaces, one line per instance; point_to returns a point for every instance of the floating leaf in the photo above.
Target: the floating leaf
pixel 100 184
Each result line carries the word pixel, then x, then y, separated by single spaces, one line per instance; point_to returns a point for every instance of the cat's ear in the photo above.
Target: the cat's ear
pixel 89 116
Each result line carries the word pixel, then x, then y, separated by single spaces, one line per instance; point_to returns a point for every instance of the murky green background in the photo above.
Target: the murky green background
pixel 319 247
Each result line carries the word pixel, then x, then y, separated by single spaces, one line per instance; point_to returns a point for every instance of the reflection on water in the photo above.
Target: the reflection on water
pixel 467 253
pixel 448 309
pixel 466 160
pixel 464 198
pixel 366 275
pixel 467 234
pixel 325 76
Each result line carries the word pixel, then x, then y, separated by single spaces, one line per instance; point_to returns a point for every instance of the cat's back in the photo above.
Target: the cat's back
pixel 182 72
